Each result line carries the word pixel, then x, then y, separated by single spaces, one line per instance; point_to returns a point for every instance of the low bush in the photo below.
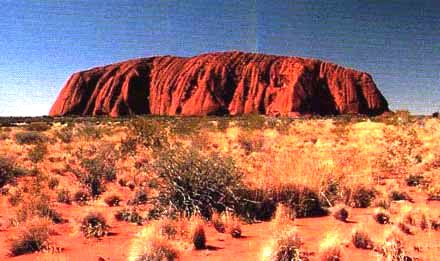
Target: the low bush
pixel 150 133
pixel 32 239
pixel 303 200
pixel 341 214
pixel 333 253
pixel 199 237
pixel 382 217
pixel 37 153
pixel 38 126
pixel 112 200
pixel 129 215
pixel 90 131
pixel 405 228
pixel 397 195
pixel 140 197
pixel 255 204
pixel 414 180
pixel 29 137
pixel 158 250
pixel 362 197
pixel 65 134
pixel 63 196
pixel 235 230
pixel 53 182
pixel 8 171
pixel 360 239
pixel 37 206
pixel 96 172
pixel 81 197
pixel 383 203
pixel 192 183
pixel 128 147
pixel 94 225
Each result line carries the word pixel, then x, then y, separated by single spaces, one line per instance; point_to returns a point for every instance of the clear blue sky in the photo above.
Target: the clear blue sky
pixel 43 42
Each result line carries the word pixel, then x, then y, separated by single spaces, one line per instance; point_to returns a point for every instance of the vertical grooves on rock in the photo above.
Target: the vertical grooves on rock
pixel 220 83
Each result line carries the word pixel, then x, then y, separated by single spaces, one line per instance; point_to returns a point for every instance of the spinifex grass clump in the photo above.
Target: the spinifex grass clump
pixel 191 182
pixel 94 225
pixel 287 247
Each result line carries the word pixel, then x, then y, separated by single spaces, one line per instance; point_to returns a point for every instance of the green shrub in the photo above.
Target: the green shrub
pixel 8 171
pixel 65 135
pixel 151 133
pixel 32 239
pixel 37 153
pixel 303 200
pixel 29 137
pixel 63 196
pixel 129 215
pixel 362 197
pixel 255 204
pixel 191 182
pixel 94 225
pixel 97 171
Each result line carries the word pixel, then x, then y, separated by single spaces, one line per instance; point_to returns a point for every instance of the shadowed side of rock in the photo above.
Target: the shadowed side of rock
pixel 228 83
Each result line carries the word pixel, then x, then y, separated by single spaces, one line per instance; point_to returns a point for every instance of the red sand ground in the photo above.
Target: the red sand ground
pixel 223 246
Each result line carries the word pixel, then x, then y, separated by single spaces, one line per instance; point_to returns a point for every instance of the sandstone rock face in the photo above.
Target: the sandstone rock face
pixel 220 83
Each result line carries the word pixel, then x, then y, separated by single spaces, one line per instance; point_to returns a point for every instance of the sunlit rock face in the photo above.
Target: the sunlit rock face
pixel 227 83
